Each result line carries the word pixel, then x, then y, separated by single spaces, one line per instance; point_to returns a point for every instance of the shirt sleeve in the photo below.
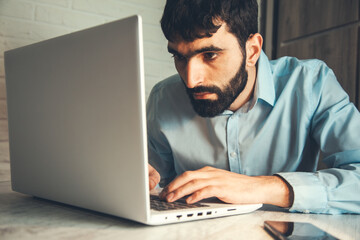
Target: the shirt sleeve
pixel 335 126
pixel 159 151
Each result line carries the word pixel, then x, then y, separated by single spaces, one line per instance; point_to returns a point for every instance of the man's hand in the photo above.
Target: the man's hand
pixel 229 187
pixel 154 177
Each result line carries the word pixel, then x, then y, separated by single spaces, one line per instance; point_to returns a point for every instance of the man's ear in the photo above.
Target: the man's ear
pixel 253 49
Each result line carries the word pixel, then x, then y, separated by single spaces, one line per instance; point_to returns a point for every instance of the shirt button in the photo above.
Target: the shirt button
pixel 233 154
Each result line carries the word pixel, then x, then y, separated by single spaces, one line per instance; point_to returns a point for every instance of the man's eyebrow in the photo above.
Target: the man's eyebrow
pixel 171 50
pixel 209 49
pixel 201 50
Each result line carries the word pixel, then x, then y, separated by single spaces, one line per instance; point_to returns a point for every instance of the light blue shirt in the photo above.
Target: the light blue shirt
pixel 297 110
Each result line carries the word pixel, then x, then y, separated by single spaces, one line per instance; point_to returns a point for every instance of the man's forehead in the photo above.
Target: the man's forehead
pixel 218 39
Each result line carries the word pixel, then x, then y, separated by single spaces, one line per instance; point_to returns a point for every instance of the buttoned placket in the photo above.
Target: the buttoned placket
pixel 232 135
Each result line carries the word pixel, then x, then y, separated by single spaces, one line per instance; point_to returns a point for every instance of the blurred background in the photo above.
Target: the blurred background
pixel 323 29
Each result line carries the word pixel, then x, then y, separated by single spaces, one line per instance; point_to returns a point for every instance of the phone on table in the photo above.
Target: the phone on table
pixel 296 230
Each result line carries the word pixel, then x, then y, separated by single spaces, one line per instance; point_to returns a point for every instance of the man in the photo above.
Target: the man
pixel 234 125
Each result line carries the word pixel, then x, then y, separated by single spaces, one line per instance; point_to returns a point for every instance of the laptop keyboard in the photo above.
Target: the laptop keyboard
pixel 160 205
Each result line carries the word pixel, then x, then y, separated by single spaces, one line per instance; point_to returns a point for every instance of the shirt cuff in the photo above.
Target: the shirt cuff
pixel 309 193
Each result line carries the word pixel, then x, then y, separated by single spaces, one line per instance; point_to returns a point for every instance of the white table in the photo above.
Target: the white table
pixel 26 217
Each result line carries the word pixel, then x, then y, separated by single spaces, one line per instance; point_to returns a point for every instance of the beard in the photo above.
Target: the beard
pixel 211 108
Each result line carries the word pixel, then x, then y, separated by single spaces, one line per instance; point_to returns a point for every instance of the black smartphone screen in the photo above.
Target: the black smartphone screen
pixel 296 231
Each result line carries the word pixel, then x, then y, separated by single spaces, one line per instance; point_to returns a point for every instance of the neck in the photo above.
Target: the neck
pixel 248 91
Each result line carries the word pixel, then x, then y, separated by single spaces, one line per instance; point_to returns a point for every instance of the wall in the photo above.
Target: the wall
pixel 23 22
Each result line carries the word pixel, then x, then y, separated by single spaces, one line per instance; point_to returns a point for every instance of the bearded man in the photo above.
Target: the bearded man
pixel 234 125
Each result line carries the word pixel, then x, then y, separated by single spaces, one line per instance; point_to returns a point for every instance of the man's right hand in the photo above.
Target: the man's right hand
pixel 154 177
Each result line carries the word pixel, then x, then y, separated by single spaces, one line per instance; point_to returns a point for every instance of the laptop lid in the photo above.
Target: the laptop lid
pixel 76 112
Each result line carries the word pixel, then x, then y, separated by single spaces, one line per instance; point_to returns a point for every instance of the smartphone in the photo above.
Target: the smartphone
pixel 295 230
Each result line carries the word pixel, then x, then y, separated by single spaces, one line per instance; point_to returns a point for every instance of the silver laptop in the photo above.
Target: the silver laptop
pixel 77 125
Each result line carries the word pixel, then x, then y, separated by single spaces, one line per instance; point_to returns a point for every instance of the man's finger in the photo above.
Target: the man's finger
pixel 154 177
pixel 203 193
pixel 152 183
pixel 183 179
pixel 189 188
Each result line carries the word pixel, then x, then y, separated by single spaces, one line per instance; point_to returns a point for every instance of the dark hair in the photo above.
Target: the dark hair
pixel 193 19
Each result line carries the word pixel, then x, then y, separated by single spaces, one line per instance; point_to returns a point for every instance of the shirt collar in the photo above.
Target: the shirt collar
pixel 264 88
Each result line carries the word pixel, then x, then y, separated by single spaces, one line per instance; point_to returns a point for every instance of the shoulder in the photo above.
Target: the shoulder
pixel 168 92
pixel 306 75
pixel 167 86
pixel 168 100
pixel 310 80
pixel 287 66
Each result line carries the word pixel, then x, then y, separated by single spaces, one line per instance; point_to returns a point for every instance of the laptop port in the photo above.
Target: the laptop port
pixel 208 213
pixel 190 215
pixel 200 214
pixel 231 209
pixel 179 216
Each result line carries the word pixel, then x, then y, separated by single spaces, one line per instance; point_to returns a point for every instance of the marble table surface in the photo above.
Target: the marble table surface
pixel 26 217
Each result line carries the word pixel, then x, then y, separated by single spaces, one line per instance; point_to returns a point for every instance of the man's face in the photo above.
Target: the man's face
pixel 212 69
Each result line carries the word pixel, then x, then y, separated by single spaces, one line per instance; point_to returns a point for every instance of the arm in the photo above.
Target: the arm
pixel 335 127
pixel 159 151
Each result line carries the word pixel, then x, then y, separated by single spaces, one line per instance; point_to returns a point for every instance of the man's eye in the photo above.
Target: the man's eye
pixel 210 55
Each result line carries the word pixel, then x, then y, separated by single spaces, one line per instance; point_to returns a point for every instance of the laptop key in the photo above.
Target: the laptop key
pixel 160 205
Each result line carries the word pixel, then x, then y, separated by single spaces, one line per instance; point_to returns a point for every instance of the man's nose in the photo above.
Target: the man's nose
pixel 194 73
